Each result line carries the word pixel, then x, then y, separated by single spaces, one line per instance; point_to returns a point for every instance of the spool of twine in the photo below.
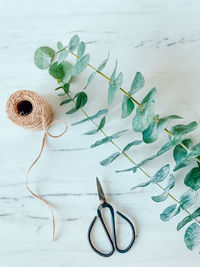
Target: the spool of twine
pixel 29 110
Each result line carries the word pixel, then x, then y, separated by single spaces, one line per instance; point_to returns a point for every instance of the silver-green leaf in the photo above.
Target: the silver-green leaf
pixel 114 87
pixel 144 116
pixel 188 219
pixel 188 198
pixel 81 65
pixel 43 57
pixel 110 159
pixel 127 107
pixel 192 179
pixel 137 84
pixel 170 212
pixel 74 43
pixel 95 116
pixel 192 236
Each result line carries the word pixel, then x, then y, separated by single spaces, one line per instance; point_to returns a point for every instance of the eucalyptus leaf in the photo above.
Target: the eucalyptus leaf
pixel 151 134
pixel 43 57
pixel 176 139
pixel 91 132
pixel 103 64
pixel 66 101
pixel 102 123
pixel 95 116
pixel 66 88
pixel 81 100
pixel 110 159
pixel 56 70
pixel 169 212
pixel 192 236
pixel 71 111
pixel 161 174
pixel 192 179
pixel 134 143
pixel 62 55
pixel 108 138
pixel 180 154
pixel 74 43
pixel 144 116
pixel 81 65
pixel 127 107
pixel 188 219
pixel 184 129
pixel 114 87
pixel 164 195
pixel 59 45
pixel 188 199
pixel 91 77
pixel 141 185
pixel 137 84
pixel 194 151
pixel 81 50
pixel 67 68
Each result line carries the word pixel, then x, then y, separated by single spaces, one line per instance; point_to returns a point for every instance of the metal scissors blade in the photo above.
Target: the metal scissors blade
pixel 100 191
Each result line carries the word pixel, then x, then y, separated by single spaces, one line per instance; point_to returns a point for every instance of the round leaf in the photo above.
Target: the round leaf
pixel 192 179
pixel 43 57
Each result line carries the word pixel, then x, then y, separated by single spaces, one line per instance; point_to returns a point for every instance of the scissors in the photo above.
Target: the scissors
pixel 114 245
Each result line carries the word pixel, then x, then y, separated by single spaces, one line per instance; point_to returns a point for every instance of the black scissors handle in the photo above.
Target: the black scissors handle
pixel 113 245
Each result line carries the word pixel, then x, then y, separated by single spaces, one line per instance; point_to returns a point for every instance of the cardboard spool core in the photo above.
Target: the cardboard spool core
pixel 24 108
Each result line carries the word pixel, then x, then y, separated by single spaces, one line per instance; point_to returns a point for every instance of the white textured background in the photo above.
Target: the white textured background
pixel 159 38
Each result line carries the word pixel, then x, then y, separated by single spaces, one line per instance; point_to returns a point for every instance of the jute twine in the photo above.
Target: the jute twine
pixel 29 110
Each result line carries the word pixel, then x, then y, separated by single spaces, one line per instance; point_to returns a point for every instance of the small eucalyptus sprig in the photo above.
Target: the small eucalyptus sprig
pixel 145 121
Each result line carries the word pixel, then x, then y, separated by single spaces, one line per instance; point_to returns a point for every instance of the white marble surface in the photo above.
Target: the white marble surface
pixel 159 38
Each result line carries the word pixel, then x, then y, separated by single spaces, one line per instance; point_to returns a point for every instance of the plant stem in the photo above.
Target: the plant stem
pixel 134 100
pixel 130 159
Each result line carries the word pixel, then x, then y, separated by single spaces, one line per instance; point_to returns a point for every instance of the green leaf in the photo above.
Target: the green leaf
pixel 81 65
pixel 61 94
pixel 180 154
pixel 169 212
pixel 62 55
pixel 108 138
pixel 95 116
pixel 144 116
pixel 59 45
pixel 161 174
pixel 176 139
pixel 151 134
pixel 81 50
pixel 103 64
pixel 194 151
pixel 67 68
pixel 192 179
pixel 192 236
pixel 102 123
pixel 99 69
pixel 137 84
pixel 134 143
pixel 91 132
pixel 56 70
pixel 81 100
pixel 188 219
pixel 134 169
pixel 66 88
pixel 164 195
pixel 127 107
pixel 61 71
pixel 71 111
pixel 43 57
pixel 184 129
pixel 91 77
pixel 74 43
pixel 141 185
pixel 66 101
pixel 188 199
pixel 114 87
pixel 110 159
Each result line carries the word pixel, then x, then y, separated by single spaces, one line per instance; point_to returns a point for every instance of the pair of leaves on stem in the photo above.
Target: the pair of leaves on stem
pixel 127 103
pixel 115 155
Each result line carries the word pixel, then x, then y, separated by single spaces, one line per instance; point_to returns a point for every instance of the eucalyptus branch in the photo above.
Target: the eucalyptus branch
pixel 132 98
pixel 144 121
pixel 129 158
